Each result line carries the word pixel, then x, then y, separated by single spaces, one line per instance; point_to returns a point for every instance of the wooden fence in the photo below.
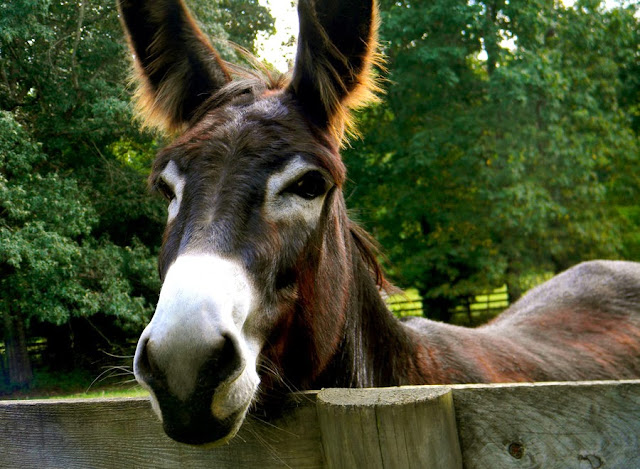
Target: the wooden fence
pixel 554 425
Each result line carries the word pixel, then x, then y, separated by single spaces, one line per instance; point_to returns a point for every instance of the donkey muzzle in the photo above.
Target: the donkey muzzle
pixel 192 356
pixel 185 403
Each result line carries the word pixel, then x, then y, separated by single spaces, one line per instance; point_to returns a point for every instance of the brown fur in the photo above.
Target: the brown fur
pixel 327 323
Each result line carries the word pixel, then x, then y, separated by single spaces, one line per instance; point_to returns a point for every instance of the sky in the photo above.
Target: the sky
pixel 272 48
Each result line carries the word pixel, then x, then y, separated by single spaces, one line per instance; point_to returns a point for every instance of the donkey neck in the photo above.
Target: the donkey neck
pixel 376 348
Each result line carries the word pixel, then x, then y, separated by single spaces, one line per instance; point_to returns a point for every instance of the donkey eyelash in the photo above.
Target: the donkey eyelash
pixel 309 186
pixel 165 190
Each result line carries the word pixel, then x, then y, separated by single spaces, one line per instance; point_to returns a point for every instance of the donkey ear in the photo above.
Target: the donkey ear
pixel 337 49
pixel 176 66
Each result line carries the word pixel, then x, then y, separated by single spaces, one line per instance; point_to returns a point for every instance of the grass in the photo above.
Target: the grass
pixel 49 384
pixel 136 391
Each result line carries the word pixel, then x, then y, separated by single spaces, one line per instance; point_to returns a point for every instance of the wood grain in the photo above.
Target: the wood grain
pixel 124 433
pixel 550 425
pixel 592 425
pixel 403 428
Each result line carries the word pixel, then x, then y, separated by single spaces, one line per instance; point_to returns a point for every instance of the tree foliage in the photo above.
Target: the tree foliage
pixel 507 143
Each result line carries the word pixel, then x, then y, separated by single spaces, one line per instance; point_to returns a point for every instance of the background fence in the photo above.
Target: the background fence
pixel 470 312
pixel 555 425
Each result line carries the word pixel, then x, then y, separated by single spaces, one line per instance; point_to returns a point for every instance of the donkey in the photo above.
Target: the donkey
pixel 268 286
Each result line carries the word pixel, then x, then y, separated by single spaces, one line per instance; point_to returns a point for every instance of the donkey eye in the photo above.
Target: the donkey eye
pixel 309 186
pixel 165 190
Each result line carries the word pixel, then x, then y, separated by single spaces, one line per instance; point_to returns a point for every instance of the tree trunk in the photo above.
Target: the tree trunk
pixel 18 364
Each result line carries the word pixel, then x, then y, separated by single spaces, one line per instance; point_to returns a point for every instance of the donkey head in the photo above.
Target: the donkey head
pixel 253 186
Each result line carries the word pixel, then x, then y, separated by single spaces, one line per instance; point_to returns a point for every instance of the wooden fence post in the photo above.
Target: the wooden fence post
pixel 403 428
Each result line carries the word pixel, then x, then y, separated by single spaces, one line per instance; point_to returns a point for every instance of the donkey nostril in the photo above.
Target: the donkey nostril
pixel 225 359
pixel 231 351
pixel 145 365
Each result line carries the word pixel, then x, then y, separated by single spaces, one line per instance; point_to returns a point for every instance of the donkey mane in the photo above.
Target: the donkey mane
pixel 360 355
pixel 370 253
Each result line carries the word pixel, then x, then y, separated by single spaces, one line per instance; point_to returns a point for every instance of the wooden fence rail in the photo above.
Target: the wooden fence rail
pixel 584 425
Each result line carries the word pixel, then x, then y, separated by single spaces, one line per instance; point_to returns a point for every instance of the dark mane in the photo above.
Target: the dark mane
pixel 370 253
pixel 252 79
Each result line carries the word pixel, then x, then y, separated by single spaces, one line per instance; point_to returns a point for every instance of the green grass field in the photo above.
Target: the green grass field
pixel 74 384
pixel 108 392
pixel 136 391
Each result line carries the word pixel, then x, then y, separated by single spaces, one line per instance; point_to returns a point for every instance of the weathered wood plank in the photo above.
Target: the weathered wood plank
pixel 550 425
pixel 124 433
pixel 389 428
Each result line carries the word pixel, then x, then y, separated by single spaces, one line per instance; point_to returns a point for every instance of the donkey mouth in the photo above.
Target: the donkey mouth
pixel 200 429
pixel 206 417
pixel 192 422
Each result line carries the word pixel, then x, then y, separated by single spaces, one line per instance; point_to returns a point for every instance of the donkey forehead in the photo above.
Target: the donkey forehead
pixel 253 136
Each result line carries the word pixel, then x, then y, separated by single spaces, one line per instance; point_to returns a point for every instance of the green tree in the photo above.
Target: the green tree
pixel 562 139
pixel 237 21
pixel 505 144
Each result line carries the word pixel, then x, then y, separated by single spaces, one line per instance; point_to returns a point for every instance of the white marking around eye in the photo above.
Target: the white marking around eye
pixel 287 207
pixel 171 175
